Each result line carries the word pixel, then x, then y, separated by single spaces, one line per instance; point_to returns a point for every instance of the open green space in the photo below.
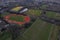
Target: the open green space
pixel 17 18
pixel 40 30
pixel 34 12
pixel 51 14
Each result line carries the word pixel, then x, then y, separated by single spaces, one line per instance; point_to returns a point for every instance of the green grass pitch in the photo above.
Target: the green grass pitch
pixel 17 18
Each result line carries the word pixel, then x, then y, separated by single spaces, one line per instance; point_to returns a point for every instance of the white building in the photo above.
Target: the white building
pixel 24 10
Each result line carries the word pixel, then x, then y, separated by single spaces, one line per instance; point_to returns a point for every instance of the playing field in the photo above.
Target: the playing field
pixel 40 30
pixel 17 18
pixel 33 12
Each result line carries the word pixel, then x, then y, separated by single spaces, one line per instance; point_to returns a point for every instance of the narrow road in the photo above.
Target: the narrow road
pixel 50 20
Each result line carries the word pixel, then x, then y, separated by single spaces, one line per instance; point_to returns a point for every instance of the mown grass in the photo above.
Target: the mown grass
pixel 51 14
pixel 39 31
pixel 34 12
pixel 17 18
pixel 54 31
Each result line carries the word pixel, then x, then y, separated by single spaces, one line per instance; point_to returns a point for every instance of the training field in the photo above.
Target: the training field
pixel 40 30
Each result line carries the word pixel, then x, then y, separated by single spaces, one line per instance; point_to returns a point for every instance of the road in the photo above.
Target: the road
pixel 50 20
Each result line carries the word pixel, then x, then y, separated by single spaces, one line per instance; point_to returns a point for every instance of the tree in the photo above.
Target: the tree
pixel 15 31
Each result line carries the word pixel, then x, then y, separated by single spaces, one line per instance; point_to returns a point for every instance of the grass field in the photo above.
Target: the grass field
pixel 40 30
pixel 17 18
pixel 34 12
pixel 51 14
